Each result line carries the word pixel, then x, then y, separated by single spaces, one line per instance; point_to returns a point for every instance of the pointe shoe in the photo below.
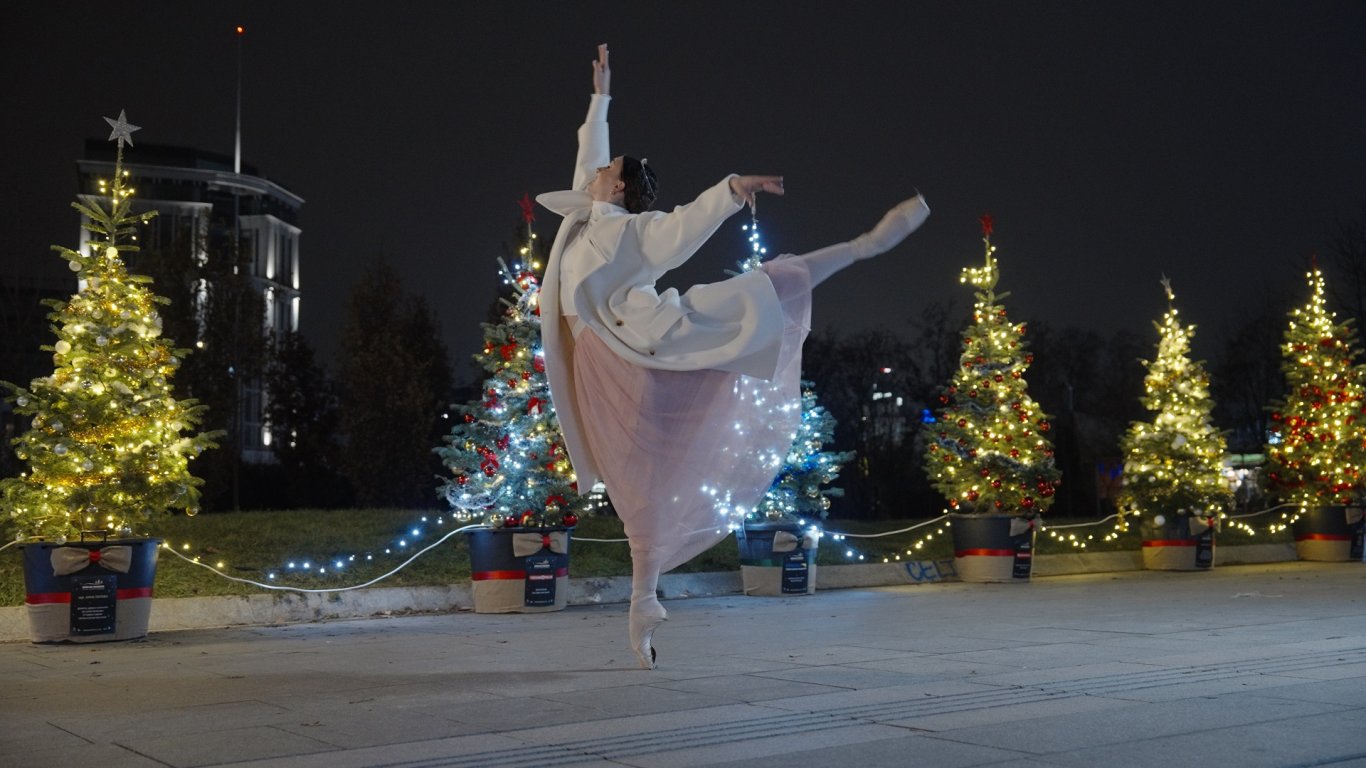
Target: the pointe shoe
pixel 645 618
pixel 895 226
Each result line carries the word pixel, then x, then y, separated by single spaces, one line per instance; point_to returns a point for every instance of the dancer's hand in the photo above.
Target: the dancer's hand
pixel 602 74
pixel 745 187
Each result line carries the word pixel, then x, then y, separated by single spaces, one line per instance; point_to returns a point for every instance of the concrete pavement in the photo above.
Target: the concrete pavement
pixel 1257 665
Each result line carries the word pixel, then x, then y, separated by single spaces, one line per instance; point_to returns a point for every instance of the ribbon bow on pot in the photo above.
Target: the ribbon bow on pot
pixel 786 541
pixel 524 544
pixel 68 560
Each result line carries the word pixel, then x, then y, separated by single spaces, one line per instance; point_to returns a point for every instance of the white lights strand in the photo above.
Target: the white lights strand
pixel 931 521
pixel 1261 511
pixel 281 588
pixel 1045 526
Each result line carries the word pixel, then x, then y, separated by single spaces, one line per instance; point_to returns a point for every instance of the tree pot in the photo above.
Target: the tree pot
pixel 1179 543
pixel 1329 534
pixel 777 559
pixel 993 548
pixel 519 570
pixel 89 591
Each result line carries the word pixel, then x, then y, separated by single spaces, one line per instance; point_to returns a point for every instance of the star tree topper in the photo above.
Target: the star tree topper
pixel 123 130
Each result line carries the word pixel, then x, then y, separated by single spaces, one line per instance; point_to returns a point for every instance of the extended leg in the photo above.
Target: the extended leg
pixel 894 227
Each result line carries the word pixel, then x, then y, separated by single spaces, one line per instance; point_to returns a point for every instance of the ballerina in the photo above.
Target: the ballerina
pixel 683 405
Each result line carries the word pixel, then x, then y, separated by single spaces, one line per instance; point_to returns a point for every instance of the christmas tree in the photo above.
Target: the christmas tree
pixel 989 451
pixel 802 489
pixel 505 453
pixel 1318 445
pixel 108 447
pixel 1173 464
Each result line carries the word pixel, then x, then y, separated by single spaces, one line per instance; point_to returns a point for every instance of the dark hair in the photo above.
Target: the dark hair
pixel 642 186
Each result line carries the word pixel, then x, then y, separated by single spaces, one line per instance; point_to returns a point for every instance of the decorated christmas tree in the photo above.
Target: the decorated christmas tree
pixel 802 489
pixel 989 450
pixel 505 453
pixel 1318 447
pixel 109 446
pixel 1173 464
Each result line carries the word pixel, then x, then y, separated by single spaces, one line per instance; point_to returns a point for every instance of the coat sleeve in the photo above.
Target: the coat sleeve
pixel 668 239
pixel 594 149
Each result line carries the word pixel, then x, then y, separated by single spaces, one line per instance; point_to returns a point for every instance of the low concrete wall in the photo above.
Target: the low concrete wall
pixel 293 607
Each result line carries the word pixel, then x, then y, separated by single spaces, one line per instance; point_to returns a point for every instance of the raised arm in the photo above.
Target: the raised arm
pixel 594 148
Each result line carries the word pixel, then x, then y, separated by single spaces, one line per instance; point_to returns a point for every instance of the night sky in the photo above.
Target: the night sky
pixel 1219 143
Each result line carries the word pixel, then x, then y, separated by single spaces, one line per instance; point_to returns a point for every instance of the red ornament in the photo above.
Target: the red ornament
pixel 510 522
pixel 539 364
pixel 528 210
pixel 1026 502
pixel 570 520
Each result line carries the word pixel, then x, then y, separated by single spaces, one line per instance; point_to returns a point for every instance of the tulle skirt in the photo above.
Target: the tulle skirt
pixel 684 453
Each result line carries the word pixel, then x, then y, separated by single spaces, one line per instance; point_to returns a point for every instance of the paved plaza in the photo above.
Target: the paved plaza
pixel 1243 666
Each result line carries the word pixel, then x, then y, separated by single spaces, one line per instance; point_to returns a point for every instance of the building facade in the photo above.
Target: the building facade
pixel 205 210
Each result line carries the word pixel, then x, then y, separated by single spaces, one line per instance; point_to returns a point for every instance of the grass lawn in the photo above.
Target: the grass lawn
pixel 366 542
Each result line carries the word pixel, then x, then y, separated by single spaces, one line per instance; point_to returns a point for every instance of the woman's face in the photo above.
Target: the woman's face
pixel 607 185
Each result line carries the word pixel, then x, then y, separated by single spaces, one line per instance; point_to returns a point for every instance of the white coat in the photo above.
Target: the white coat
pixel 606 276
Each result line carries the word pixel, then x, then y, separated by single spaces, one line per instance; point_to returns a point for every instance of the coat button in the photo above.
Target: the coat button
pixel 620 323
pixel 652 351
